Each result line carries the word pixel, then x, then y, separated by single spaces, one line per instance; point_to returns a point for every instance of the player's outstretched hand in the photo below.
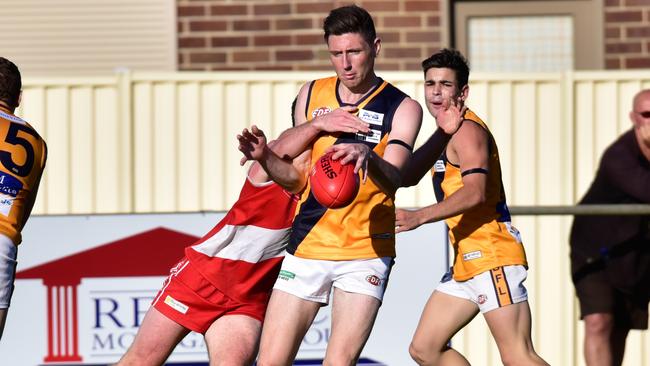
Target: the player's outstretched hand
pixel 406 220
pixel 451 116
pixel 352 153
pixel 252 144
pixel 341 120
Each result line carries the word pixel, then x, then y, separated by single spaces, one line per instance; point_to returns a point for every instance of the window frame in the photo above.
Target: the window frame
pixel 589 48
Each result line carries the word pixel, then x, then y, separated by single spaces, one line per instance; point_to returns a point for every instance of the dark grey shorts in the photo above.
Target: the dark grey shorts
pixel 597 295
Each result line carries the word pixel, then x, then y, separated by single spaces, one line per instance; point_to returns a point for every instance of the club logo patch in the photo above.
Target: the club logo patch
pixel 439 166
pixel 286 275
pixel 376 121
pixel 482 299
pixel 176 305
pixel 373 280
pixel 472 255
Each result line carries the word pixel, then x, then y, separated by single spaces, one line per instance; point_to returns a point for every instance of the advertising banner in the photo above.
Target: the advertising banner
pixel 84 283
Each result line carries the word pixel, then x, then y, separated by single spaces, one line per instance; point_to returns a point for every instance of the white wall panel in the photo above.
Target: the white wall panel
pixel 82 37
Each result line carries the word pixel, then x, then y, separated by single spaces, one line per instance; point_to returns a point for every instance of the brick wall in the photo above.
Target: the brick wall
pixel 287 35
pixel 627 34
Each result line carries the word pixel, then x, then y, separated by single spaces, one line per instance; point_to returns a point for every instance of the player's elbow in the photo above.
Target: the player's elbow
pixel 295 183
pixel 476 197
pixel 409 180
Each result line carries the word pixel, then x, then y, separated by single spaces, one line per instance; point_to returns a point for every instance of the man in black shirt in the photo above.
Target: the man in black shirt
pixel 610 255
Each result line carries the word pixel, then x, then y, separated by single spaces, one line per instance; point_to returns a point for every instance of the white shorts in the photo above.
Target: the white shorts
pixel 491 289
pixel 313 279
pixel 8 253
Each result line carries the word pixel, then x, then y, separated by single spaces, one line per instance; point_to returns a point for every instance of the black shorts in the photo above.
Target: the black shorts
pixel 597 295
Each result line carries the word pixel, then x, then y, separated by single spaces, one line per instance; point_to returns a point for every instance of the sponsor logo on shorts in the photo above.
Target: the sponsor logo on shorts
pixel 320 111
pixel 286 275
pixel 176 305
pixel 472 255
pixel 373 280
pixel 481 299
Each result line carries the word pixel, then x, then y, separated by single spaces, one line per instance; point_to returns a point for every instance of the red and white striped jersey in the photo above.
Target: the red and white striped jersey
pixel 241 255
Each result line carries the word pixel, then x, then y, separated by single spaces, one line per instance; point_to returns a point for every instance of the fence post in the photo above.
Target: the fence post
pixel 124 155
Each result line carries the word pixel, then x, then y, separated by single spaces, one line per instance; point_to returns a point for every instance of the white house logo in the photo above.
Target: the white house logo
pixel 96 299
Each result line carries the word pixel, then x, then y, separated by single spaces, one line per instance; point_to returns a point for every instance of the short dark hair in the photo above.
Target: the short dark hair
pixel 10 83
pixel 451 59
pixel 350 19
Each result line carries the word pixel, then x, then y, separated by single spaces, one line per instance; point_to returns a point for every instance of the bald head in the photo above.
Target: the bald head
pixel 640 113
pixel 639 98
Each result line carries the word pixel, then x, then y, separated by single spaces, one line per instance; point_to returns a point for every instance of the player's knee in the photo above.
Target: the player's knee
pixel 521 356
pixel 264 360
pixel 132 358
pixel 423 355
pixel 598 324
pixel 340 358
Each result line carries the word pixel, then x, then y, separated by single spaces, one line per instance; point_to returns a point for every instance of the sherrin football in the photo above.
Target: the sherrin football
pixel 332 184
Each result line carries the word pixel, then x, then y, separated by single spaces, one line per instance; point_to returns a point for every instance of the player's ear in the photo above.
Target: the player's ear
pixel 464 93
pixel 376 46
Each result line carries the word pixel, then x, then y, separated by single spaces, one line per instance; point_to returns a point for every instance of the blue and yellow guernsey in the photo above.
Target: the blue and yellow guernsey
pixel 483 237
pixel 366 227
pixel 22 159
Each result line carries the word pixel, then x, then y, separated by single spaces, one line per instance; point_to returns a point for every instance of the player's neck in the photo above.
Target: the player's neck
pixel 5 107
pixel 353 95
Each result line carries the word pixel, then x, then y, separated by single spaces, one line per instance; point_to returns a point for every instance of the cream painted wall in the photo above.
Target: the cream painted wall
pixel 165 142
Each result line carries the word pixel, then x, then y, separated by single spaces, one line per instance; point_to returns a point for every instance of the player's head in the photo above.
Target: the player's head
pixel 352 44
pixel 450 59
pixel 350 19
pixel 10 84
pixel 445 79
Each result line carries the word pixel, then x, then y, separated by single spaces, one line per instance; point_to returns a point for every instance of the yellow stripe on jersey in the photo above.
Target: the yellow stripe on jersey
pixel 366 227
pixel 22 159
pixel 482 237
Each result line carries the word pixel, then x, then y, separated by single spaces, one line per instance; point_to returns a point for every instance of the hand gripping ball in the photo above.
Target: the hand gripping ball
pixel 332 184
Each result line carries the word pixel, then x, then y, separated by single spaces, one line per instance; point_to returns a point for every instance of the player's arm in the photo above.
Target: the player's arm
pixel 386 171
pixel 470 146
pixel 293 146
pixel 268 164
pixel 423 159
pixel 294 141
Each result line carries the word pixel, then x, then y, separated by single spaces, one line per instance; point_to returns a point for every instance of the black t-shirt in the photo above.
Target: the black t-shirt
pixel 623 177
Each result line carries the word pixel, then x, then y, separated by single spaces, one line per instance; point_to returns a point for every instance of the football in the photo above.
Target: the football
pixel 332 184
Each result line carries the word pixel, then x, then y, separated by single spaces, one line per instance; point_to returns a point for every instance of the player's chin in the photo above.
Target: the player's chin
pixel 434 109
pixel 350 83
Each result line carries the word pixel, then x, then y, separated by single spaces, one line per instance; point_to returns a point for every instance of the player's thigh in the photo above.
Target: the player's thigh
pixel 353 316
pixel 8 255
pixel 443 316
pixel 287 319
pixel 155 340
pixel 233 340
pixel 511 327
